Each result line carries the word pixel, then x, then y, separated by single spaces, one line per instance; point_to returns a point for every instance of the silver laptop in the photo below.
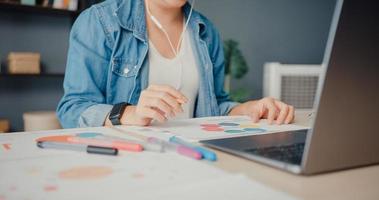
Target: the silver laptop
pixel 345 129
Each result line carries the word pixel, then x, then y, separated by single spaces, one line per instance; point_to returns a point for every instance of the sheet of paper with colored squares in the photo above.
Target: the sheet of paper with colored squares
pixel 220 127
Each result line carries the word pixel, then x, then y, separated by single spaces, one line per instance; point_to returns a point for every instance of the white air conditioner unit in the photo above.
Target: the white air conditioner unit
pixel 293 84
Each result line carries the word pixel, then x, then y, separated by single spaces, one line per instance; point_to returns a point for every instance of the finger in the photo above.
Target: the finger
pixel 262 111
pixel 153 114
pixel 161 105
pixel 172 91
pixel 291 115
pixel 254 117
pixel 272 112
pixel 283 113
pixel 167 98
pixel 279 104
pixel 159 111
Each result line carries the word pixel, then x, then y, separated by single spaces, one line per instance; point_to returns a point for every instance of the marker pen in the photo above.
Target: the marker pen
pixel 77 147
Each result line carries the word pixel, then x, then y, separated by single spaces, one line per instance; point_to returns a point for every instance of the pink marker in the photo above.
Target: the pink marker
pixel 180 149
pixel 188 152
pixel 121 145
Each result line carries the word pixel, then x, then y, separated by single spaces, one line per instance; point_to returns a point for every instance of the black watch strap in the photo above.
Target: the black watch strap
pixel 116 113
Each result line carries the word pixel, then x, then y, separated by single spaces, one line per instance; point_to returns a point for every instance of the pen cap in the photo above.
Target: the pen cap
pixel 40 144
pixel 102 150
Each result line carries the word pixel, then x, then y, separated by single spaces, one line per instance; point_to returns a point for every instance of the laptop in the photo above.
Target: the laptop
pixel 345 129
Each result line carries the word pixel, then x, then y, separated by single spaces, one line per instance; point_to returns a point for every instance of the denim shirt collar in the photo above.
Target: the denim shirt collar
pixel 131 16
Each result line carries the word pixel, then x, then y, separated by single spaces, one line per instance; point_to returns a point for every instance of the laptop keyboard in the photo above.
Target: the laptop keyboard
pixel 286 153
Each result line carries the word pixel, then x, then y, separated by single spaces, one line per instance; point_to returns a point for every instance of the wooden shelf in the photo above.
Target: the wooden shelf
pixel 58 75
pixel 6 6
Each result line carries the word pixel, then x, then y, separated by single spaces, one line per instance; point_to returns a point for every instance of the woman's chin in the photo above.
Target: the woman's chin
pixel 173 3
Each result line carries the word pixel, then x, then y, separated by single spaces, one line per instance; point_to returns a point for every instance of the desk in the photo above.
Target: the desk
pixel 359 183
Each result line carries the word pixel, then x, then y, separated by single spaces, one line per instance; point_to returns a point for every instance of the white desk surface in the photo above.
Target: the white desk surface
pixel 359 183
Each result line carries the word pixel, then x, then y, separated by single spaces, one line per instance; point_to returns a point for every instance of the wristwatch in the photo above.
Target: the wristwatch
pixel 116 112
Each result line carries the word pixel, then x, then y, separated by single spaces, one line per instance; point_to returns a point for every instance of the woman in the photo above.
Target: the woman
pixel 134 61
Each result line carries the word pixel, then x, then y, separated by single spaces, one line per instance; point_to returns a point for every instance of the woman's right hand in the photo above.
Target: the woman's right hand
pixel 157 102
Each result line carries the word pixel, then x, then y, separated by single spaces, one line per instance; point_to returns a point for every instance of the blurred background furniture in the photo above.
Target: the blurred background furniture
pixel 4 125
pixel 293 84
pixel 40 120
pixel 33 26
pixel 24 63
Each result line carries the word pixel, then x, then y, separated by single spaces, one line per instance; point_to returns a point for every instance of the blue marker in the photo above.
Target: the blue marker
pixel 207 154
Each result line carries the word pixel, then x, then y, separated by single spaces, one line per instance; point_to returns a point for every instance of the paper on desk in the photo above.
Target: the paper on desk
pixel 28 172
pixel 223 188
pixel 198 129
pixel 83 176
pixel 20 146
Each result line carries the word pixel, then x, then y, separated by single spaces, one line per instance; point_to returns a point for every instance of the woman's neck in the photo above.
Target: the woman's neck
pixel 165 15
pixel 171 18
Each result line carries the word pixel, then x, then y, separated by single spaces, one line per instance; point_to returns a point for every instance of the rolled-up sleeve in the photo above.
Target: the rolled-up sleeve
pixel 94 115
pixel 83 103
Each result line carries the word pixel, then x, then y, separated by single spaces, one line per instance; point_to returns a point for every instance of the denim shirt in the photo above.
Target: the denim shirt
pixel 107 63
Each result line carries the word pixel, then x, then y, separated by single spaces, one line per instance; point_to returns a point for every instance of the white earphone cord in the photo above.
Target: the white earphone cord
pixel 175 51
pixel 159 25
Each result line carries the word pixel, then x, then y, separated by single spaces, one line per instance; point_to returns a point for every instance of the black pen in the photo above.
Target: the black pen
pixel 77 147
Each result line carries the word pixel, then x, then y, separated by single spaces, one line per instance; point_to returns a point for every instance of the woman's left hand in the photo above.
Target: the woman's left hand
pixel 266 108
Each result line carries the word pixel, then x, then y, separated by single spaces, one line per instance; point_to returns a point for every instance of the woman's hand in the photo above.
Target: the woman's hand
pixel 266 108
pixel 157 102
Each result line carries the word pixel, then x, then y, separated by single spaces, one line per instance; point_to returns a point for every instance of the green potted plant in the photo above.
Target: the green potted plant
pixel 235 67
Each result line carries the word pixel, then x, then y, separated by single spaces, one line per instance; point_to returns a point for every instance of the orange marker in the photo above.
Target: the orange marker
pixel 121 145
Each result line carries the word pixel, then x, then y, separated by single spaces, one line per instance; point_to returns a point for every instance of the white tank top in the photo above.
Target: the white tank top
pixel 164 71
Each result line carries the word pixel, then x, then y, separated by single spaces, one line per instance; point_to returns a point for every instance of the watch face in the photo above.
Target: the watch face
pixel 116 113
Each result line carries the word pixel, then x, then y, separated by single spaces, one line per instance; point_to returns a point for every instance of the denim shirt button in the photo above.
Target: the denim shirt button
pixel 126 71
